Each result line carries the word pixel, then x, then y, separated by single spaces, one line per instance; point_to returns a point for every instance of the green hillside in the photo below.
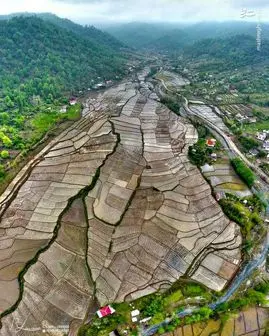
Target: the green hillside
pixel 233 52
pixel 139 35
pixel 41 65
pixel 95 36
pixel 174 37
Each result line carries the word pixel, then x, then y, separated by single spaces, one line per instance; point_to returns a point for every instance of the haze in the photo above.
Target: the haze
pixel 88 11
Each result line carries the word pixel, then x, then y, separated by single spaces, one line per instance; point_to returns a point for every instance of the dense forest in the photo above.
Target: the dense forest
pixel 232 52
pixel 139 35
pixel 174 37
pixel 41 65
pixel 95 36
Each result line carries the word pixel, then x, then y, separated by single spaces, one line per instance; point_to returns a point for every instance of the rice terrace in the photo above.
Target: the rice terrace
pixel 116 200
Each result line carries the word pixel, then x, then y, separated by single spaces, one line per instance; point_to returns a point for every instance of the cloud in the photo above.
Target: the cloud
pixel 251 3
pixel 92 11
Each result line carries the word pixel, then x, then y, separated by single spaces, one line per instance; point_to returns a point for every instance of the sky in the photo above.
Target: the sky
pixel 109 11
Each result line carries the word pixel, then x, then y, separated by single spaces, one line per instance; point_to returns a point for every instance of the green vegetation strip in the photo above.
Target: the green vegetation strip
pixel 243 171
pixel 169 304
pixel 246 213
pixel 44 125
pixel 158 306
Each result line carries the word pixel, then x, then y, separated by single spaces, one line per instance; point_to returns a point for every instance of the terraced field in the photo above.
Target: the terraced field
pixel 251 322
pixel 210 114
pixel 223 178
pixel 172 80
pixel 111 210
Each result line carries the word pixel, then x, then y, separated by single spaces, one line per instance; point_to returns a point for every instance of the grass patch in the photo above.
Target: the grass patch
pixel 45 121
pixel 246 213
pixel 232 186
pixel 256 127
pixel 162 76
pixel 243 171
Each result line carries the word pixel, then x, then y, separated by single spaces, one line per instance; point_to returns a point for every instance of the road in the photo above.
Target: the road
pixel 230 144
pixel 227 140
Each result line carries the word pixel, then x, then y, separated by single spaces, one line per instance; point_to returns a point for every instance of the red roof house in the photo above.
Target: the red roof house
pixel 105 311
pixel 73 101
pixel 211 142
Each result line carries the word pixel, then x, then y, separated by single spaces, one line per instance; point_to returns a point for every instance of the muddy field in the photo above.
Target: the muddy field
pixel 111 210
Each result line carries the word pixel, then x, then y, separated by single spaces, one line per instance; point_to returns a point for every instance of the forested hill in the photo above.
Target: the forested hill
pixel 138 34
pixel 41 58
pixel 233 52
pixel 90 33
pixel 41 66
pixel 175 37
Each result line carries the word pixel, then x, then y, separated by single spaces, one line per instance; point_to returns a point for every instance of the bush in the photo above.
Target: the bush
pixel 2 171
pixel 4 154
pixel 243 171
pixel 250 221
pixel 193 290
pixel 155 306
pixel 198 154
pixel 251 297
pixel 161 331
pixel 248 143
pixel 172 104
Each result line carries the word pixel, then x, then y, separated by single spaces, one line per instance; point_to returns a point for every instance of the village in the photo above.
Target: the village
pixel 233 102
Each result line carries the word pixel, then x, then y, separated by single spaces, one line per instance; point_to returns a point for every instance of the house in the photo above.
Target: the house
pixel 252 120
pixel 114 333
pixel 145 320
pixel 240 117
pixel 63 109
pixel 105 311
pixel 254 152
pixel 207 168
pixel 220 195
pixel 266 145
pixel 261 136
pixel 73 101
pixel 211 142
pixel 134 314
pixel 214 156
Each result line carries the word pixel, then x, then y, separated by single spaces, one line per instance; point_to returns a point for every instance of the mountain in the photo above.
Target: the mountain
pixel 180 38
pixel 232 52
pixel 139 35
pixel 41 65
pixel 174 37
pixel 39 54
pixel 88 32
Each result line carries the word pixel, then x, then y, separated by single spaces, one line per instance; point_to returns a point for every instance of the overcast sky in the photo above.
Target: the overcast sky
pixel 90 11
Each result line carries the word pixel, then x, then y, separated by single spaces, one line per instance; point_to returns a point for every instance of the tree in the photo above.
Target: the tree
pixel 5 139
pixel 4 118
pixel 4 154
pixel 2 171
pixel 243 171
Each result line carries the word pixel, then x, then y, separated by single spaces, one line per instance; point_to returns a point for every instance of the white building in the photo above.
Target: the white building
pixel 261 136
